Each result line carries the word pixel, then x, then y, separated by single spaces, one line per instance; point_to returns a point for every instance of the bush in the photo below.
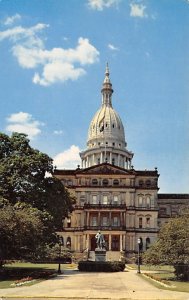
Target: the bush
pixel 101 266
pixel 182 272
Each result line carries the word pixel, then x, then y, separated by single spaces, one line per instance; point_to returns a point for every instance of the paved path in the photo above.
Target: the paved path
pixel 80 285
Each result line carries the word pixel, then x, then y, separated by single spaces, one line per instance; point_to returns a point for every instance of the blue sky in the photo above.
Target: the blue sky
pixel 52 60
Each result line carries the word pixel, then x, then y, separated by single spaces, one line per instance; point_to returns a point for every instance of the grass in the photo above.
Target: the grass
pixel 152 268
pixel 165 273
pixel 39 272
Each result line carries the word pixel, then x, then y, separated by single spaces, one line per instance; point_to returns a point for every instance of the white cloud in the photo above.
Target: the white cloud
pixel 58 132
pixel 57 64
pixel 138 10
pixel 69 159
pixel 10 20
pixel 101 4
pixel 112 47
pixel 23 122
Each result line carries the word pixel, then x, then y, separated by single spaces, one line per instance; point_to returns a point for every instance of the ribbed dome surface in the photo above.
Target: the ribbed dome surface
pixel 106 125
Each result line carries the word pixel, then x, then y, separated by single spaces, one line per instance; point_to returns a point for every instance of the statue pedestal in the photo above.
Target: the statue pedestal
pixel 100 254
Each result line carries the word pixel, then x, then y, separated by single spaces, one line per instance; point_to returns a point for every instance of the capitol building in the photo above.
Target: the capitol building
pixel 111 195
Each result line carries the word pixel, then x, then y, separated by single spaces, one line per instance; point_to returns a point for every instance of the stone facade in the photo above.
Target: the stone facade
pixel 111 195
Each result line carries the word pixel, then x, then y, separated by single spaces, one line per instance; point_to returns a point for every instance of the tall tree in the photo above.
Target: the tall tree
pixel 24 181
pixel 172 246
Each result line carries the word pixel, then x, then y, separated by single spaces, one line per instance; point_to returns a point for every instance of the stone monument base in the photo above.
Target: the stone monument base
pixel 100 254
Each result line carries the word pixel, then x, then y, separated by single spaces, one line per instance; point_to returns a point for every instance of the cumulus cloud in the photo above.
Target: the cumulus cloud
pixel 69 159
pixel 10 20
pixel 138 10
pixel 23 122
pixel 57 64
pixel 112 47
pixel 101 4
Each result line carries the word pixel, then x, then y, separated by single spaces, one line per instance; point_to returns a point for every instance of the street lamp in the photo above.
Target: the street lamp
pixel 139 242
pixel 59 264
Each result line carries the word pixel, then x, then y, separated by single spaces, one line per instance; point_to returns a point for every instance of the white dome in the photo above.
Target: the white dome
pixel 107 126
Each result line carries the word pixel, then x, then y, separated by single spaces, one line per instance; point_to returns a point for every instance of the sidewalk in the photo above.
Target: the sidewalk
pixel 80 285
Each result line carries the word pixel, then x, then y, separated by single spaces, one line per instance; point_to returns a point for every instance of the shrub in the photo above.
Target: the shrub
pixel 101 266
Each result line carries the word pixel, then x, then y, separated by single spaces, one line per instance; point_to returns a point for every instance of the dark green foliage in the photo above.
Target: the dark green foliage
pixel 98 266
pixel 172 246
pixel 32 204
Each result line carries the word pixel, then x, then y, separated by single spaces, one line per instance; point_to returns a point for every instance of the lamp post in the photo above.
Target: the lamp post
pixel 59 264
pixel 138 241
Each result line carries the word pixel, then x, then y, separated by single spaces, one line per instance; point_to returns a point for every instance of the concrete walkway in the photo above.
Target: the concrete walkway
pixel 80 285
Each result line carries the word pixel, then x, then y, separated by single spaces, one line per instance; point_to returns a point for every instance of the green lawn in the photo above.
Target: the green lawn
pixel 165 273
pixel 18 271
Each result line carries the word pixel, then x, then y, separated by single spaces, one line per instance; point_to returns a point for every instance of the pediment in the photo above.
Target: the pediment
pixel 104 168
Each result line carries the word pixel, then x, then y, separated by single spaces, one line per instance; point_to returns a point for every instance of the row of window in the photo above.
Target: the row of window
pixel 105 200
pixel 141 245
pixel 106 182
pixel 144 201
pixel 144 223
pixel 101 126
pixel 104 221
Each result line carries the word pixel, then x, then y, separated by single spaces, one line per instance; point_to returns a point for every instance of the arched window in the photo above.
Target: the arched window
pixel 61 240
pixel 105 182
pixel 147 243
pixel 140 200
pixel 140 222
pixel 148 202
pixel 68 242
pixel 148 183
pixel 147 222
pixel 116 182
pixel 94 181
pixel 141 183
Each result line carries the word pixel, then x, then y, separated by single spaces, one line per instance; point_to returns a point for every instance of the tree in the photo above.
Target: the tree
pixel 172 246
pixel 24 185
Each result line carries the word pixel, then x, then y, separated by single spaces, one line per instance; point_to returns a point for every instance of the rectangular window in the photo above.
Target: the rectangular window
pixel 104 221
pixel 140 222
pixel 115 221
pixel 148 222
pixel 115 200
pixel 105 200
pixel 94 199
pixel 94 221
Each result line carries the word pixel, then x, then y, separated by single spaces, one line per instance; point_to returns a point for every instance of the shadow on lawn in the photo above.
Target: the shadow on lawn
pixel 10 273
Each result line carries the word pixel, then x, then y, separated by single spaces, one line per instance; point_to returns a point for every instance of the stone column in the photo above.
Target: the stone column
pixel 101 157
pixel 87 218
pixel 99 219
pixel 110 242
pixel 110 157
pixel 124 242
pixel 94 159
pixel 118 160
pixel 121 242
pixel 110 218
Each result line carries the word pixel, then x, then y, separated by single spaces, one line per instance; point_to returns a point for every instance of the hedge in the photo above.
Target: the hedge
pixel 101 266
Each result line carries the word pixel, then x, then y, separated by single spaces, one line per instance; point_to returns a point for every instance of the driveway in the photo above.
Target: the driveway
pixel 81 285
